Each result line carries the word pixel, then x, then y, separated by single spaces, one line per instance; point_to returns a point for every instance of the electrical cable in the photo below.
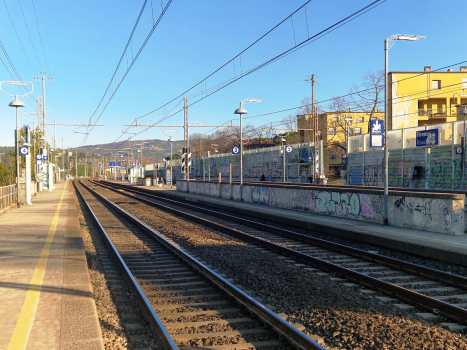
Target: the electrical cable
pixel 130 66
pixel 40 36
pixel 277 57
pixel 17 36
pixel 27 28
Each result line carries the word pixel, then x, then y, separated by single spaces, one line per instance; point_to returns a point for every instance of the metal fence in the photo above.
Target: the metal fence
pixel 7 195
pixel 441 167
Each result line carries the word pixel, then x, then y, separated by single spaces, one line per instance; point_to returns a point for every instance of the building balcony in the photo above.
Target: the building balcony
pixel 437 112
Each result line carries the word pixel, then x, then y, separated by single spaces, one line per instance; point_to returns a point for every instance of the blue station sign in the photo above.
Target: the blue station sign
pixel 427 138
pixel 376 133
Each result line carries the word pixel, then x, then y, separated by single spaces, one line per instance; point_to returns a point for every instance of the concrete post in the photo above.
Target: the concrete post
pixel 220 186
pixel 28 178
pixel 230 180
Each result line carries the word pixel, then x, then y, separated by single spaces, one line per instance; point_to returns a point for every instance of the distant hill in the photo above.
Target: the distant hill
pixel 152 149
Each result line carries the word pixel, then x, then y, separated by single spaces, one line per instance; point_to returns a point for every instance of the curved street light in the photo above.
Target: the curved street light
pixel 16 103
pixel 242 111
pixel 387 45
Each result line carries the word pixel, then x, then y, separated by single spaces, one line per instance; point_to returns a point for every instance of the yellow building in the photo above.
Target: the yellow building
pixel 428 97
pixel 334 129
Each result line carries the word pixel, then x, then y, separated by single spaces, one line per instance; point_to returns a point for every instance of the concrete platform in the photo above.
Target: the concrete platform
pixel 46 294
pixel 438 246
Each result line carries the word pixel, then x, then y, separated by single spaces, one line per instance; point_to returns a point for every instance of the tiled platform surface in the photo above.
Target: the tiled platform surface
pixel 428 244
pixel 46 294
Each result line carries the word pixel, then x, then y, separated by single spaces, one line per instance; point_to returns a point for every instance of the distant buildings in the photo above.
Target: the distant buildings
pixel 334 129
pixel 416 99
pixel 428 97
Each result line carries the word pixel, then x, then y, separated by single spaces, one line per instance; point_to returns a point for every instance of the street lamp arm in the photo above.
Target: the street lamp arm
pixel 408 37
pixel 18 83
pixel 251 100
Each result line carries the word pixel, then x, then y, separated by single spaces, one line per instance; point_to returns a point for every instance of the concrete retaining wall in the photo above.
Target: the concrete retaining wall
pixel 436 212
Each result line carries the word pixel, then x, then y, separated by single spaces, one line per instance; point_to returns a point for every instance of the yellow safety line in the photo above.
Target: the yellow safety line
pixel 23 326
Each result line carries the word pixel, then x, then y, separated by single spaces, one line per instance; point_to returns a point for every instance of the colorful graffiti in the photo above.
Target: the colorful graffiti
pixel 262 195
pixel 352 205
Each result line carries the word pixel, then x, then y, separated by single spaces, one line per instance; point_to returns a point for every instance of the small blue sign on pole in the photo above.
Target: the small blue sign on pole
pixel 235 150
pixel 344 159
pixel 45 158
pixel 111 163
pixel 24 150
pixel 427 138
pixel 288 149
pixel 376 133
pixel 118 163
pixel 459 150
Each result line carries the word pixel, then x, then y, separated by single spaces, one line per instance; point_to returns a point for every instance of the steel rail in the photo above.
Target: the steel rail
pixel 423 301
pixel 295 336
pixel 449 278
pixel 153 318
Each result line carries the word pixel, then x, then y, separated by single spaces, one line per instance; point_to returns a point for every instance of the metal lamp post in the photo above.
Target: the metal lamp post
pixel 283 158
pixel 463 113
pixel 387 45
pixel 242 111
pixel 171 140
pixel 16 104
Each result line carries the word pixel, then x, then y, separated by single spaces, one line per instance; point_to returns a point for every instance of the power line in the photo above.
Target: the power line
pixel 17 36
pixel 40 36
pixel 131 64
pixel 27 28
pixel 21 88
pixel 226 83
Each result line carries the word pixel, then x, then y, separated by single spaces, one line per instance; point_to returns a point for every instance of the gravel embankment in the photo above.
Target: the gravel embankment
pixel 123 324
pixel 338 316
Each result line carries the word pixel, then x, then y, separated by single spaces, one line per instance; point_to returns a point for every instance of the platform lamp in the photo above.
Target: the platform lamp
pixel 463 113
pixel 16 104
pixel 283 140
pixel 387 45
pixel 242 111
pixel 167 132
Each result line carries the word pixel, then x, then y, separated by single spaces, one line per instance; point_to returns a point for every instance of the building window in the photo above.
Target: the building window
pixel 332 156
pixel 361 119
pixel 332 131
pixel 436 85
pixel 464 83
pixel 334 119
pixel 357 131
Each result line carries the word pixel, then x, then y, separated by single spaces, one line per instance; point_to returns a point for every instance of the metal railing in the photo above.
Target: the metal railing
pixel 7 195
pixel 436 112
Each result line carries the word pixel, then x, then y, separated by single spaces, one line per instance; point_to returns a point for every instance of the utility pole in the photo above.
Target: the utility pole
pixel 43 78
pixel 186 141
pixel 314 120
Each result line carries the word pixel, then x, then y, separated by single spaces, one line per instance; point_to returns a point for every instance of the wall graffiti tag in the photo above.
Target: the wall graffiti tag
pixel 352 205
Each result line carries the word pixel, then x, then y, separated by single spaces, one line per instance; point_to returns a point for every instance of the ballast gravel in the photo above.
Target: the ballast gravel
pixel 337 316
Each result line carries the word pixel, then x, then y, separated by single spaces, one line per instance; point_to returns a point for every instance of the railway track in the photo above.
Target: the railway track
pixel 442 294
pixel 189 305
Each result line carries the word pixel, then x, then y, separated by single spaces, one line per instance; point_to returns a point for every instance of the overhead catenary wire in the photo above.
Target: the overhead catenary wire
pixel 164 10
pixel 29 34
pixel 17 36
pixel 13 68
pixel 40 36
pixel 208 92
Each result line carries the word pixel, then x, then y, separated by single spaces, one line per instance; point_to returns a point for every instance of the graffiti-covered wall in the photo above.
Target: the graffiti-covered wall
pixel 419 168
pixel 443 213
pixel 256 163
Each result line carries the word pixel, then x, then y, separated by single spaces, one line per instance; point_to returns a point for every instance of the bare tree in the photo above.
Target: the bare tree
pixel 369 97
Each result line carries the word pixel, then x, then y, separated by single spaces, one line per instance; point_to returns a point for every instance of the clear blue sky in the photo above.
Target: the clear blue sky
pixel 83 41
